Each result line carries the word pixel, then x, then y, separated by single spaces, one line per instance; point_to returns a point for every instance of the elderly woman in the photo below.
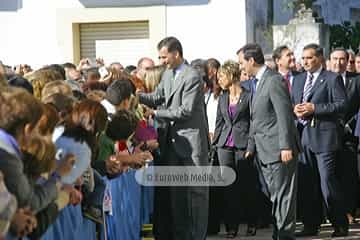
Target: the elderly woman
pixel 231 138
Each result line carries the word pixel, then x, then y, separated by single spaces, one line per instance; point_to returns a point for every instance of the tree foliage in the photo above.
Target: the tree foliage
pixel 345 35
pixel 295 4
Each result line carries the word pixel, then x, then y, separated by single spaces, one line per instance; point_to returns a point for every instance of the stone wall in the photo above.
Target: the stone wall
pixel 300 31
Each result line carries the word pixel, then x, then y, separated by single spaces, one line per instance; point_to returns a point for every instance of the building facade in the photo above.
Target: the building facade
pixel 57 31
pixel 42 32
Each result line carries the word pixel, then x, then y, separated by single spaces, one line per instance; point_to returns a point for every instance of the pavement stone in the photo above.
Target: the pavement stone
pixel 265 234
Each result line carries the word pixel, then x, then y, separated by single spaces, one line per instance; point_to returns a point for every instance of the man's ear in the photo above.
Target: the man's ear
pixel 251 61
pixel 177 54
pixel 28 129
pixel 277 60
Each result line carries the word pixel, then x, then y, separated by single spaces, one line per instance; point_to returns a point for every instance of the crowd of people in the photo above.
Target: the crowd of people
pixel 289 131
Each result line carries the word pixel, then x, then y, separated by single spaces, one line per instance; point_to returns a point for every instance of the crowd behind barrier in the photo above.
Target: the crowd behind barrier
pixel 70 224
pixel 118 120
pixel 131 207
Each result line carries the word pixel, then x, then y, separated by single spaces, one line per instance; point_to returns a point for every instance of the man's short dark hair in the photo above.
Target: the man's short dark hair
pixel 69 65
pixel 253 50
pixel 213 63
pixel 59 68
pixel 278 52
pixel 92 72
pixel 201 66
pixel 172 44
pixel 319 52
pixel 121 125
pixel 19 81
pixel 342 49
pixel 129 68
pixel 119 91
pixel 239 51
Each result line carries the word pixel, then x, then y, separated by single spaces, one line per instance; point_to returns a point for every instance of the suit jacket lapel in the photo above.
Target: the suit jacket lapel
pixel 178 81
pixel 225 105
pixel 260 84
pixel 167 84
pixel 300 85
pixel 239 106
pixel 348 81
pixel 317 84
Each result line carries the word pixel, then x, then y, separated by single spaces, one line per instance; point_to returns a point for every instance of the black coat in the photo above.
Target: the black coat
pixel 239 125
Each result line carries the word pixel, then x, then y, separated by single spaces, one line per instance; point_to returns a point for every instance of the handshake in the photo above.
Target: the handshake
pixel 120 163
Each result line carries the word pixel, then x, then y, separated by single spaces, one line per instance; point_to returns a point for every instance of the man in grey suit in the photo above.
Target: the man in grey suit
pixel 183 211
pixel 273 138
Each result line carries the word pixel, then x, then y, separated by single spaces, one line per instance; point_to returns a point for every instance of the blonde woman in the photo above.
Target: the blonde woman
pixel 152 77
pixel 3 82
pixel 41 77
pixel 57 86
pixel 231 138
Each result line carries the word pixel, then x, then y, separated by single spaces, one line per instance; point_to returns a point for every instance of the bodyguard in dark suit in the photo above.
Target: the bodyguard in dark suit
pixel 231 139
pixel 346 165
pixel 320 103
pixel 182 212
pixel 273 138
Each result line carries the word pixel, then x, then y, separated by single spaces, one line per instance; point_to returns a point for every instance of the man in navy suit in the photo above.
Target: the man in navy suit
pixel 320 102
pixel 346 166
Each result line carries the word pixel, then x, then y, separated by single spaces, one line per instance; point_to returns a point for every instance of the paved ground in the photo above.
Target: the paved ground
pixel 265 234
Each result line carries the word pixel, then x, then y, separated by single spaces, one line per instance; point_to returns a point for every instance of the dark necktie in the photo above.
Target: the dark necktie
pixel 347 82
pixel 287 80
pixel 254 83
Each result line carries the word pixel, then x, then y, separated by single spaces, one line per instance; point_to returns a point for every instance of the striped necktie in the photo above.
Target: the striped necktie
pixel 307 87
pixel 306 93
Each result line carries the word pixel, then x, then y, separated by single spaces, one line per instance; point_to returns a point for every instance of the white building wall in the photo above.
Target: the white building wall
pixel 30 34
pixel 217 29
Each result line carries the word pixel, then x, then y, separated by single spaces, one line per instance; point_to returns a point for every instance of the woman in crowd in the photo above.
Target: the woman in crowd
pixel 57 86
pixel 83 127
pixel 3 82
pixel 41 77
pixel 84 124
pixel 19 114
pixel 214 91
pixel 231 138
pixel 152 78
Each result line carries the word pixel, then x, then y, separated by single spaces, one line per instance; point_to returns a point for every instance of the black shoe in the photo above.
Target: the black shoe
pixel 308 231
pixel 251 230
pixel 340 232
pixel 231 234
